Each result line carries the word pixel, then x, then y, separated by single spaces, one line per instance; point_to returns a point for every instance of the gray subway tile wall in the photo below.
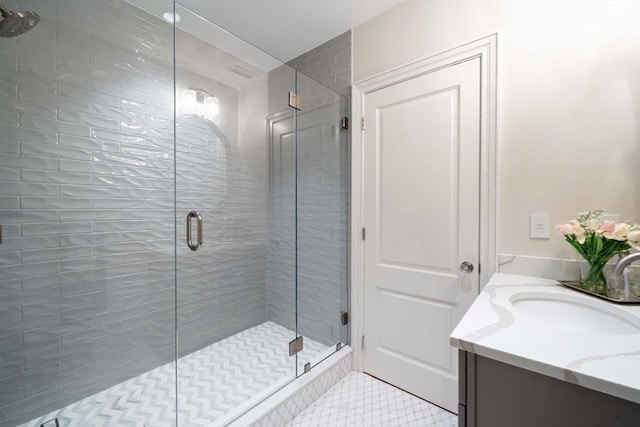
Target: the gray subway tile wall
pixel 86 284
pixel 220 172
pixel 87 196
pixel 328 64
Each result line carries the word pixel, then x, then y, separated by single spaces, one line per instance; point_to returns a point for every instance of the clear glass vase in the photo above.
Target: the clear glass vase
pixel 594 276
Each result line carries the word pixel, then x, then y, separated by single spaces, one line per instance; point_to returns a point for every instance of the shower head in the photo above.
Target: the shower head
pixel 16 23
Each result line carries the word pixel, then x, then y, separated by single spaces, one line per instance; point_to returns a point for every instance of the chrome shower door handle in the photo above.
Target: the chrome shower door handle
pixel 194 246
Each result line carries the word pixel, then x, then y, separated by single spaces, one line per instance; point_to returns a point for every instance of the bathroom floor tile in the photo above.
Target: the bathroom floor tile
pixel 212 384
pixel 360 400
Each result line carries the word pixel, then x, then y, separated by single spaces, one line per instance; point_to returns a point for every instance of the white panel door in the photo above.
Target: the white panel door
pixel 421 213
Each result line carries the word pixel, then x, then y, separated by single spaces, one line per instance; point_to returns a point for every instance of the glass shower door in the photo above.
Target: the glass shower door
pixel 231 355
pixel 322 220
pixel 308 181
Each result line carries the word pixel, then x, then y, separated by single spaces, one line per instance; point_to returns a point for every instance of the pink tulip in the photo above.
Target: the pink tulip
pixel 561 228
pixel 608 226
pixel 619 232
pixel 577 230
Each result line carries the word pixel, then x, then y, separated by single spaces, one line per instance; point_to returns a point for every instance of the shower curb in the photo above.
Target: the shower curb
pixel 282 407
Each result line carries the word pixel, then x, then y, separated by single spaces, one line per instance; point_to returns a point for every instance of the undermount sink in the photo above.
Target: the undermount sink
pixel 576 312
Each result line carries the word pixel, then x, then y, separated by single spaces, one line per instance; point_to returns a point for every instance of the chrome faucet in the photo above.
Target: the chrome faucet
pixel 619 269
pixel 625 262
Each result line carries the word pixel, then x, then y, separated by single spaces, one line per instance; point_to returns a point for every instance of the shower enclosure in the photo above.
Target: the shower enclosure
pixel 173 204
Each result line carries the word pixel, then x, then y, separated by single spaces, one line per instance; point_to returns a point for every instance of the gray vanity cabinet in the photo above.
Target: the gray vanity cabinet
pixel 495 394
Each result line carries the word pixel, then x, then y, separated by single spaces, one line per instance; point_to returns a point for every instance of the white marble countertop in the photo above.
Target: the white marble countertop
pixel 554 345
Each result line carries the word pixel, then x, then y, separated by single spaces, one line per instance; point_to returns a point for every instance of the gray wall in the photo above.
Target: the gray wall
pixel 86 201
pixel 87 192
pixel 328 64
pixel 221 171
pixel 322 195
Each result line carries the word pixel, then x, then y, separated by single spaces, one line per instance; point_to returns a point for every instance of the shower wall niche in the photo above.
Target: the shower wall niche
pixel 104 150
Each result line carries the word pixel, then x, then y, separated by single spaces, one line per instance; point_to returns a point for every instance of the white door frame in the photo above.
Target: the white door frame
pixel 486 50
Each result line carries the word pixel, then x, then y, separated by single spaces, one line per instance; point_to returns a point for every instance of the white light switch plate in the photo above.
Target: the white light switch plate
pixel 539 226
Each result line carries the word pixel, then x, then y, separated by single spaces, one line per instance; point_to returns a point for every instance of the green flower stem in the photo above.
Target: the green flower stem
pixel 597 250
pixel 595 280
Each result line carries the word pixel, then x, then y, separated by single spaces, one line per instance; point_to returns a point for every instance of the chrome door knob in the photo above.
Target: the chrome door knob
pixel 466 267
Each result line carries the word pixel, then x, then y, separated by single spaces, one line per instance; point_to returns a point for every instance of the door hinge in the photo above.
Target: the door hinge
pixel 345 122
pixel 344 317
pixel 362 343
pixel 295 101
pixel 364 233
pixel 362 123
pixel 296 346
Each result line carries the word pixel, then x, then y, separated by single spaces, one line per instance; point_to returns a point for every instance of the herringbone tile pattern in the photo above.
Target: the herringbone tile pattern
pixel 212 383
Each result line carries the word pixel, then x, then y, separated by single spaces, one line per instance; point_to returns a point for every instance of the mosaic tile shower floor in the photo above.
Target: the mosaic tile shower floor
pixel 360 400
pixel 213 383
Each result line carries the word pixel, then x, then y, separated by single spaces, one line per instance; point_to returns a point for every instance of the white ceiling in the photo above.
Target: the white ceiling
pixel 288 28
pixel 284 29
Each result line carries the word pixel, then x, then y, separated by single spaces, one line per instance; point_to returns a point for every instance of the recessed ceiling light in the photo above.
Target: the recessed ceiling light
pixel 171 18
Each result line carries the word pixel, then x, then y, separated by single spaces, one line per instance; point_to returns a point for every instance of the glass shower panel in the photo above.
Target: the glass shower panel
pixel 231 353
pixel 322 220
pixel 86 207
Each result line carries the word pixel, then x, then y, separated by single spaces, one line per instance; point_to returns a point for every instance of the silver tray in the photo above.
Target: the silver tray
pixel 575 285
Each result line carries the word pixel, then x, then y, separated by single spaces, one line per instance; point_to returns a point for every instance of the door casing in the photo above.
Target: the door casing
pixel 486 50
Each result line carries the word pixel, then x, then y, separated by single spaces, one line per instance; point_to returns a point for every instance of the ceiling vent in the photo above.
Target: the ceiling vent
pixel 242 72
